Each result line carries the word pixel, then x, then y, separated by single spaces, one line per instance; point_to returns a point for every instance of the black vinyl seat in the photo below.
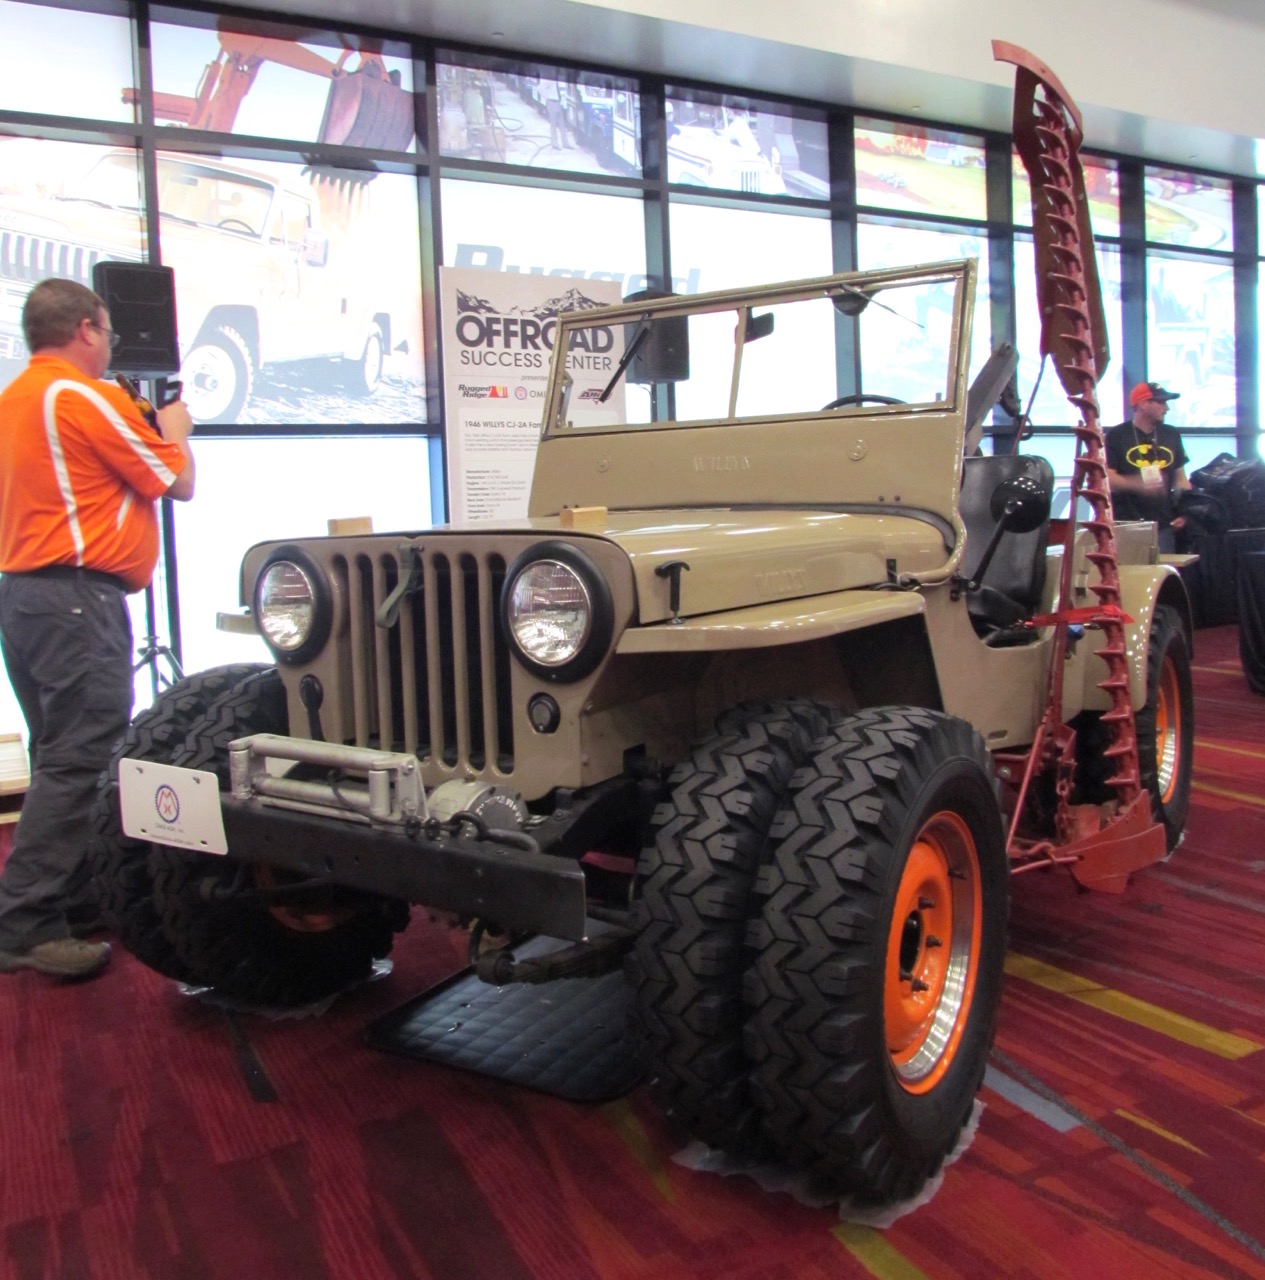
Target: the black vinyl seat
pixel 1014 580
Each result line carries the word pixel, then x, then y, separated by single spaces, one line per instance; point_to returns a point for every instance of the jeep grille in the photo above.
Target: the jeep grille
pixel 751 178
pixel 437 684
pixel 34 258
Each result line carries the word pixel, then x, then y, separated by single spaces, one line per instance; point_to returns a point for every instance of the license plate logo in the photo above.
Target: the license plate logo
pixel 173 806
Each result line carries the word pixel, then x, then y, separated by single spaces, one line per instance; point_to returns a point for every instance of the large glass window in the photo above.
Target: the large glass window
pixel 59 218
pixel 1190 335
pixel 1189 209
pixel 730 248
pixel 345 90
pixel 542 117
pixel 1102 190
pixel 919 171
pixel 386 479
pixel 548 233
pixel 884 362
pixel 298 291
pixel 730 143
pixel 1051 407
pixel 66 64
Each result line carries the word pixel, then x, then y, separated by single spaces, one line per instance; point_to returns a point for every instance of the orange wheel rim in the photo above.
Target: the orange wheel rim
pixel 297 919
pixel 1168 717
pixel 932 952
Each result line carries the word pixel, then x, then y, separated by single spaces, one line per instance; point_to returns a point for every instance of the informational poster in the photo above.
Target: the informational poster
pixel 498 337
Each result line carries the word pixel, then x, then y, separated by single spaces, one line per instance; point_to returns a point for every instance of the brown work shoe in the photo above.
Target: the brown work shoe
pixel 60 958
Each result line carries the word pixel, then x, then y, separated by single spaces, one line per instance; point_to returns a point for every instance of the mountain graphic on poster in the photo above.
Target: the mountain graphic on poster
pixel 571 300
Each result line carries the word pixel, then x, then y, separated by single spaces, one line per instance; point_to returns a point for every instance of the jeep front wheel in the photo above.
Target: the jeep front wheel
pixel 235 928
pixel 696 896
pixel 217 376
pixel 119 864
pixel 875 992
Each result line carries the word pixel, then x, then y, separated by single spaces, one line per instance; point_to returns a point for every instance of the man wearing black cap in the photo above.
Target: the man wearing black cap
pixel 1146 464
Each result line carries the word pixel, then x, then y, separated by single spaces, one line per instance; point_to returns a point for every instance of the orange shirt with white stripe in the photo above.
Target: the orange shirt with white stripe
pixel 80 470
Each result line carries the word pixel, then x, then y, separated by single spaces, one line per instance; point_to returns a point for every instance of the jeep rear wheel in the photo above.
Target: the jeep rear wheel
pixel 120 865
pixel 1166 724
pixel 227 924
pixel 1165 727
pixel 217 376
pixel 874 996
pixel 696 882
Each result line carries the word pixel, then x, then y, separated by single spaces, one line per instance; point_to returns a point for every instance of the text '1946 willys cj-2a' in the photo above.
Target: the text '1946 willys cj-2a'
pixel 757 711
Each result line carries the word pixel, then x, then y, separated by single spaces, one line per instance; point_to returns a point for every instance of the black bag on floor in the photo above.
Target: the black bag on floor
pixel 1251 584
pixel 1205 514
pixel 1239 484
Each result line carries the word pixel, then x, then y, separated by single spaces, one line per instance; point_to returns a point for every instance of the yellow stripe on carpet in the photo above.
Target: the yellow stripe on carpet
pixel 1200 1036
pixel 878 1257
pixel 1152 1127
pixel 1225 794
pixel 1210 744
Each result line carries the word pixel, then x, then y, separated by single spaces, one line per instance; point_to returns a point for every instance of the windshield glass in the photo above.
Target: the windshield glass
pixel 213 197
pixel 765 353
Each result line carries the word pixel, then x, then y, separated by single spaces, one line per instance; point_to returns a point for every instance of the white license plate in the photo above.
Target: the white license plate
pixel 179 807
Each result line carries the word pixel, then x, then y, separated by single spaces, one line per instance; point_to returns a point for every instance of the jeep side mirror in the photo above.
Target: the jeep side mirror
pixel 1020 505
pixel 315 249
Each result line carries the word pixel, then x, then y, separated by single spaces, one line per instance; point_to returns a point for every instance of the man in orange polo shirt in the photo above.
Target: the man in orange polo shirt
pixel 80 472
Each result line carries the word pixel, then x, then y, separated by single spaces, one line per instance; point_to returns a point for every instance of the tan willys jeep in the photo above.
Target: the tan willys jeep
pixel 764 701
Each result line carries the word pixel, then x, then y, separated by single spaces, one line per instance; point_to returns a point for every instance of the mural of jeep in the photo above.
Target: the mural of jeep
pixel 761 705
pixel 259 280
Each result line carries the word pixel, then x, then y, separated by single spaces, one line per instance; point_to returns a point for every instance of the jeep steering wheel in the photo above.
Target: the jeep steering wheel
pixel 861 397
pixel 236 224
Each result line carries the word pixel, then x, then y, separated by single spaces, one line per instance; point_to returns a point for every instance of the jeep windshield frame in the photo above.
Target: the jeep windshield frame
pixel 690 361
pixel 785 449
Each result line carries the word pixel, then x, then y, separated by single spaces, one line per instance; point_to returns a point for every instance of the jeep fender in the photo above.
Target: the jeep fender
pixel 1143 587
pixel 847 648
pixel 780 623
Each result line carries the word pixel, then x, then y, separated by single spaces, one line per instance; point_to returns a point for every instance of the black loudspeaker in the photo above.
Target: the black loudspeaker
pixel 664 354
pixel 141 300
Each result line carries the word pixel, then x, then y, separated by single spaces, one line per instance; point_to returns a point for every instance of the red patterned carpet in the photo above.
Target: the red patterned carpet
pixel 145 1134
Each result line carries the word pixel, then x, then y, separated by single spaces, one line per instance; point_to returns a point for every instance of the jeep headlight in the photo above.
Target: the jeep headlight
pixel 292 605
pixel 557 611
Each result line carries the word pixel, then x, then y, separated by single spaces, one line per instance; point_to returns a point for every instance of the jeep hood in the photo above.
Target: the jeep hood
pixel 741 558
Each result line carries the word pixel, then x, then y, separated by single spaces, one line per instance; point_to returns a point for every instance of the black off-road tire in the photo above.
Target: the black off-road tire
pixel 1165 729
pixel 889 871
pixel 247 947
pixel 695 881
pixel 1166 725
pixel 119 865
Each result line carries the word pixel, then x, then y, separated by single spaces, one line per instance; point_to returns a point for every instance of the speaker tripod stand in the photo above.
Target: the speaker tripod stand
pixel 152 652
pixel 149 654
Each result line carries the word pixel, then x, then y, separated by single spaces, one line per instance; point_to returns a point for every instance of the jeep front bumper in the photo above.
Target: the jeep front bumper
pixel 367 827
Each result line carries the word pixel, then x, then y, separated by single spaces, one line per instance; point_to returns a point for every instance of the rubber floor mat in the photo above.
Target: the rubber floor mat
pixel 569 1038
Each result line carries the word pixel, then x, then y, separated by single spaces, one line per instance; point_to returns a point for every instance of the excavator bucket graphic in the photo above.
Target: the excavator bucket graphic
pixel 367 109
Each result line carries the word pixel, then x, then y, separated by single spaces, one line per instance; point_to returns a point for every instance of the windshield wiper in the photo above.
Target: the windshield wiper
pixel 626 359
